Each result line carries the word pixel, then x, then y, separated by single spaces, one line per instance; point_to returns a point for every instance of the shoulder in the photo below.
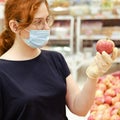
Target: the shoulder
pixel 55 57
pixel 52 54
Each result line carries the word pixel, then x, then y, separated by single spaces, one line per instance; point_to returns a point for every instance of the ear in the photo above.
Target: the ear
pixel 13 26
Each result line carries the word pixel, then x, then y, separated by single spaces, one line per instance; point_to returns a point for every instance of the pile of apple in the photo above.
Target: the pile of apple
pixel 107 98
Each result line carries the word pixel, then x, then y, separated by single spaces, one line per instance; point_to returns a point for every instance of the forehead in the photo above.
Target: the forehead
pixel 42 11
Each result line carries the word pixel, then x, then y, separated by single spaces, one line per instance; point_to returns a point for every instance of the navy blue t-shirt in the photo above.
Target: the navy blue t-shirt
pixel 34 89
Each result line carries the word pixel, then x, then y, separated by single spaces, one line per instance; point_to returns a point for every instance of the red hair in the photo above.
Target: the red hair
pixel 22 11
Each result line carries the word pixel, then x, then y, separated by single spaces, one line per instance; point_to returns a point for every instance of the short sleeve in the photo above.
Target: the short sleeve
pixel 63 65
pixel 58 62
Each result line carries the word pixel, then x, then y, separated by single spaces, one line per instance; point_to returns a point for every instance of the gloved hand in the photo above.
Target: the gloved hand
pixel 101 64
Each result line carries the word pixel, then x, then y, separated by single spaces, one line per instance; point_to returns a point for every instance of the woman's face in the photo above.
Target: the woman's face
pixel 40 18
pixel 39 21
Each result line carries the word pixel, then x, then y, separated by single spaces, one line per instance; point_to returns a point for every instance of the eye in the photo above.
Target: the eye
pixel 37 22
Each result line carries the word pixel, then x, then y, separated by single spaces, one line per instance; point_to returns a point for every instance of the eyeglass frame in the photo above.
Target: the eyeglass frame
pixel 40 23
pixel 44 22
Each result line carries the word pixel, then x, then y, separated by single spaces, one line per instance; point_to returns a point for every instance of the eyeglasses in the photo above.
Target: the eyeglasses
pixel 40 23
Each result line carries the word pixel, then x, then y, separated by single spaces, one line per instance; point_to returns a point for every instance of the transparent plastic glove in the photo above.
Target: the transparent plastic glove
pixel 101 64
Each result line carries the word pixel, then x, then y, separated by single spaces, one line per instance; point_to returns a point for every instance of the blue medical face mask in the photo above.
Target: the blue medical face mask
pixel 38 38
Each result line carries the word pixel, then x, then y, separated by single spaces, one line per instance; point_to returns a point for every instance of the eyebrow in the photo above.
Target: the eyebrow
pixel 38 18
pixel 41 17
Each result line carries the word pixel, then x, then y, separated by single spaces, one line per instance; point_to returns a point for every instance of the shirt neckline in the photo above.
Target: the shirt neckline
pixel 32 59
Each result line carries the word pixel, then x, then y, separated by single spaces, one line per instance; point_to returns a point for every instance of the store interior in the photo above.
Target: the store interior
pixel 78 25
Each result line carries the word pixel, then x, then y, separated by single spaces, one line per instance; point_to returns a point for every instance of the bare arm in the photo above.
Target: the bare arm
pixel 80 101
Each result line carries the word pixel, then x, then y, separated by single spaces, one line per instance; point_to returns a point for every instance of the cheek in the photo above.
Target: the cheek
pixel 24 34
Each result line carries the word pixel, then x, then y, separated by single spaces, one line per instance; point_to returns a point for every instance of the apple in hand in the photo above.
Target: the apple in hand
pixel 106 45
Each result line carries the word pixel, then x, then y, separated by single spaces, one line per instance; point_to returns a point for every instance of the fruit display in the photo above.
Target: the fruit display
pixel 2 0
pixel 106 45
pixel 60 3
pixel 107 4
pixel 107 98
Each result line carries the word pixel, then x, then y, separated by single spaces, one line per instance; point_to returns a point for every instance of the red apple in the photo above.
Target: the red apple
pixel 117 90
pixel 115 117
pixel 99 100
pixel 106 45
pixel 115 100
pixel 106 114
pixel 117 105
pixel 113 112
pixel 99 115
pixel 110 92
pixel 99 93
pixel 102 107
pixel 102 87
pixel 108 99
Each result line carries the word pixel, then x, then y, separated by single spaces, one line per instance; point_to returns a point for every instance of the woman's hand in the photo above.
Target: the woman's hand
pixel 101 64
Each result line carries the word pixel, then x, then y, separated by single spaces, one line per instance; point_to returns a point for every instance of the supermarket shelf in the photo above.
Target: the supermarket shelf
pixel 1 10
pixel 84 30
pixel 55 37
pixel 100 17
pixel 97 37
pixel 62 32
pixel 59 42
pixel 63 17
pixel 91 37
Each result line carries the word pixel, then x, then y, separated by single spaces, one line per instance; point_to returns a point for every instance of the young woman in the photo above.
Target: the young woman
pixel 36 84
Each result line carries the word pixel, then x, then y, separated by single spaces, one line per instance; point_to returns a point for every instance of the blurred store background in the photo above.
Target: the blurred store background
pixel 78 25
